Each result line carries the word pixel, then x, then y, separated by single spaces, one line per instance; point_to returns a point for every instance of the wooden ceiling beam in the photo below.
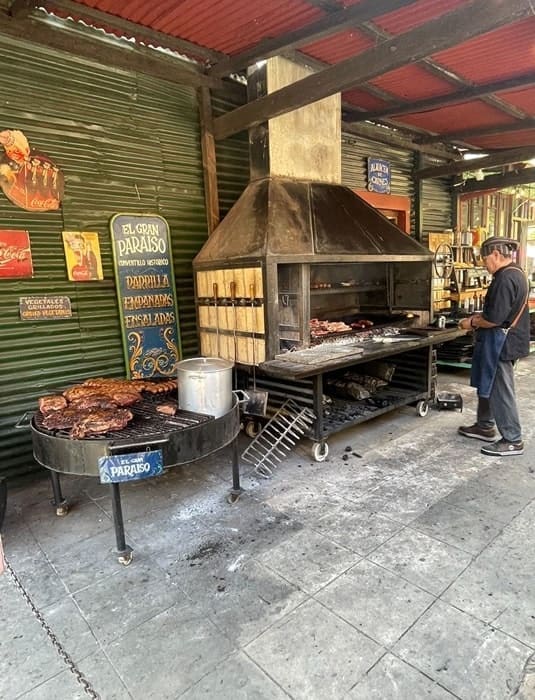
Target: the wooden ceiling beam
pixel 449 76
pixel 463 134
pixel 94 46
pixel 464 23
pixel 397 139
pixel 331 24
pixel 513 155
pixel 453 98
pixel 498 182
pixel 131 29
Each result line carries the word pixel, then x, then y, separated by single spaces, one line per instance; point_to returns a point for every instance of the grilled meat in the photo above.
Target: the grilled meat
pixel 54 402
pixel 95 400
pixel 99 421
pixel 151 387
pixel 168 408
pixel 63 418
pixel 119 394
pixel 124 397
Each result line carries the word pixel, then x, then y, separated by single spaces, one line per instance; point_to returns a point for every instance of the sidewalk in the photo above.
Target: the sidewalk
pixel 401 568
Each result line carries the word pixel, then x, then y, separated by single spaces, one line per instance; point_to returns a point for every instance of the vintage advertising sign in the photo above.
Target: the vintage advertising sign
pixel 379 175
pixel 15 254
pixel 44 308
pixel 82 255
pixel 130 467
pixel 28 178
pixel 146 293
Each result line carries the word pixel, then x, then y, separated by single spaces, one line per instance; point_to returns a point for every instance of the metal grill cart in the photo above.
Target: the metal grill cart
pixel 182 438
pixel 408 355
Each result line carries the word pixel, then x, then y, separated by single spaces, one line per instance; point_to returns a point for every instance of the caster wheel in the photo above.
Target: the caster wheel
pixel 422 408
pixel 320 450
pixel 126 559
pixel 61 511
pixel 234 497
pixel 252 428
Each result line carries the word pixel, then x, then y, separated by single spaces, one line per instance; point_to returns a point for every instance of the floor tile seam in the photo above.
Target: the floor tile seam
pixel 224 661
pixel 278 620
pixel 39 685
pixel 411 665
pixel 403 578
pixel 489 625
pixel 115 670
pixel 412 525
pixel 378 643
pixel 471 508
pixel 363 556
pixel 54 569
pixel 108 642
pixel 302 590
pixel 50 644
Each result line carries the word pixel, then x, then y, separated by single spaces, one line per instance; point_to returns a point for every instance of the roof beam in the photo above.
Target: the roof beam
pixel 101 49
pixel 498 182
pixel 333 23
pixel 449 76
pixel 395 138
pixel 453 98
pixel 514 155
pixel 471 20
pixel 464 134
pixel 131 29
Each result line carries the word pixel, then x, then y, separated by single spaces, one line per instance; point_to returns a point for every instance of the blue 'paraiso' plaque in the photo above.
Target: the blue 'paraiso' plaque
pixel 130 467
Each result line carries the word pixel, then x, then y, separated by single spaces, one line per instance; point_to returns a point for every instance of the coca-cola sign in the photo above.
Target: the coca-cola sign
pixel 27 177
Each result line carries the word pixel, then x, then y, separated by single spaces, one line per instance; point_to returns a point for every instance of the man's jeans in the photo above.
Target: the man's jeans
pixel 500 408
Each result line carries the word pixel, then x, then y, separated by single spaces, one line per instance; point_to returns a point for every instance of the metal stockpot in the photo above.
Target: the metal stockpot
pixel 205 385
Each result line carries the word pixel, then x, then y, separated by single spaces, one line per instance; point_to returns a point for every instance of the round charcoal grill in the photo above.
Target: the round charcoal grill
pixel 182 438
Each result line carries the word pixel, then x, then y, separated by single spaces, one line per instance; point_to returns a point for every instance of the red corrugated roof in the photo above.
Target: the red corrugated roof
pixel 231 26
pixel 413 83
pixel 525 137
pixel 523 99
pixel 469 115
pixel 499 54
pixel 416 14
pixel 338 47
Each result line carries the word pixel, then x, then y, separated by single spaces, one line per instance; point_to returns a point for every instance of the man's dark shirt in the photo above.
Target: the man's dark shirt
pixel 505 297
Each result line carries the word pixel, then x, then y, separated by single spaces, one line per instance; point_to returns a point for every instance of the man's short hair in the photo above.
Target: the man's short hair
pixel 505 246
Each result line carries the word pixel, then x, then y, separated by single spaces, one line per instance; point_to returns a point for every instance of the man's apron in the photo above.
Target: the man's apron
pixel 486 355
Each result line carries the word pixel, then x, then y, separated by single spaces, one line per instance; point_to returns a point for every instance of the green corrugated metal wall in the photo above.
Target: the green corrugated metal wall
pixel 125 142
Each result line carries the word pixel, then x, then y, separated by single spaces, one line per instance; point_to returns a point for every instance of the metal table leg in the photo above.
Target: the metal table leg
pixel 236 489
pixel 59 503
pixel 123 550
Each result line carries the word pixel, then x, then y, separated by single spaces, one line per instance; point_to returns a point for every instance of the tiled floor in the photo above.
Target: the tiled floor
pixel 405 572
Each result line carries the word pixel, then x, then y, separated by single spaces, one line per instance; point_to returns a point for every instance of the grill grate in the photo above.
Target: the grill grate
pixel 146 423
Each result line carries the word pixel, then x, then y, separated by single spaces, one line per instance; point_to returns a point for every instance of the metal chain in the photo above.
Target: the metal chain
pixel 82 680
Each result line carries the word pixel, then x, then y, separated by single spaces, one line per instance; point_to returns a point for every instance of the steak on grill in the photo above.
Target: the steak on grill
pixel 119 394
pixel 64 418
pixel 95 400
pixel 103 420
pixel 54 402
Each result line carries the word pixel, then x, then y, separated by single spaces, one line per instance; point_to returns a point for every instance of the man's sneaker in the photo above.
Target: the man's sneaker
pixel 502 448
pixel 474 431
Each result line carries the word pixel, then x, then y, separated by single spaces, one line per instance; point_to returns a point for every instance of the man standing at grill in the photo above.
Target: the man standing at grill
pixel 501 338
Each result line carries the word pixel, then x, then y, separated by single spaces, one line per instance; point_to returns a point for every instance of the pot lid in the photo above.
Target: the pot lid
pixel 204 364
